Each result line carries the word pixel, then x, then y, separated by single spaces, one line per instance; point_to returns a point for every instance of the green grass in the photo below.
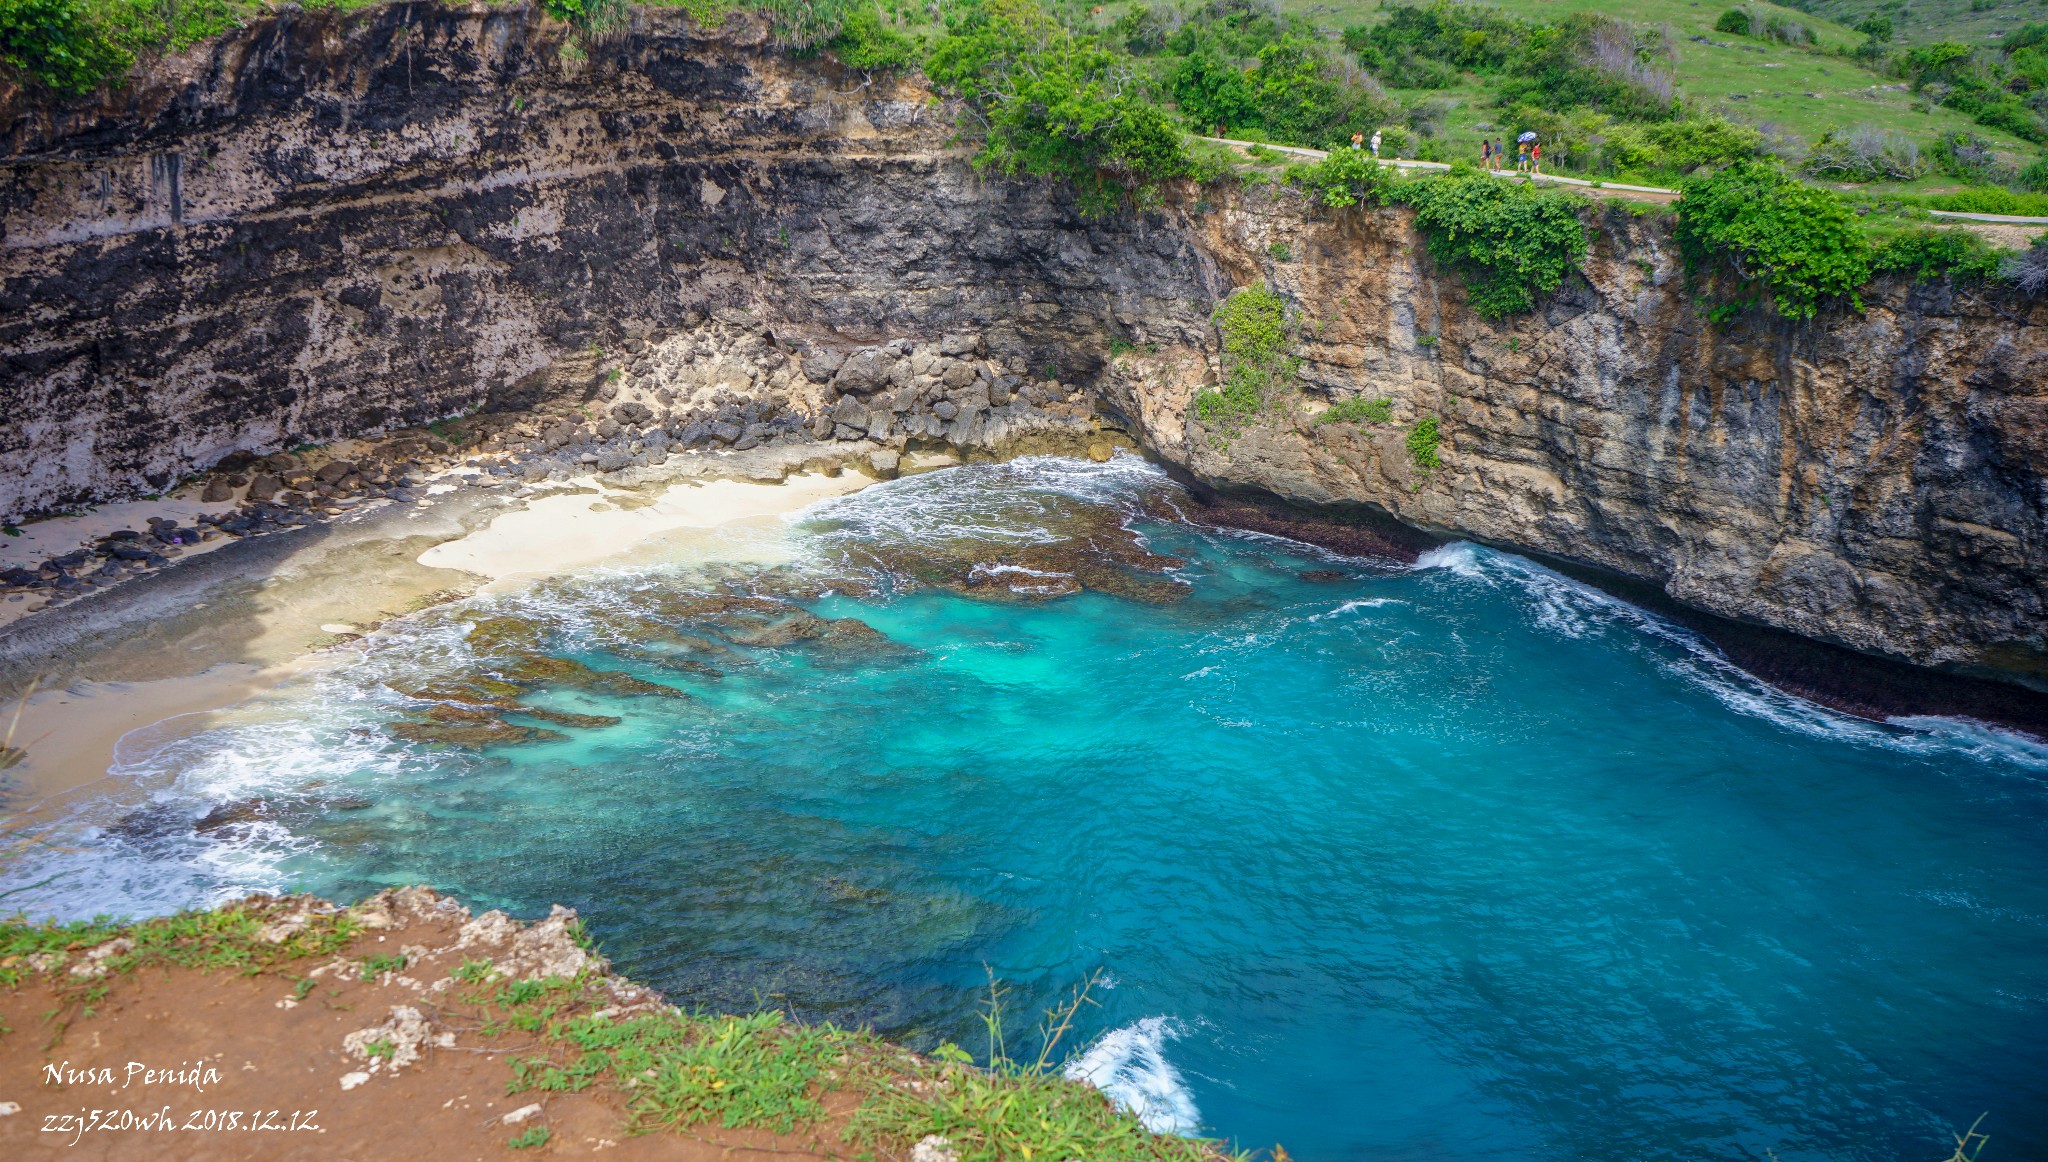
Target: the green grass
pixel 681 1071
pixel 226 938
pixel 1358 411
pixel 1753 80
pixel 675 1071
pixel 1932 20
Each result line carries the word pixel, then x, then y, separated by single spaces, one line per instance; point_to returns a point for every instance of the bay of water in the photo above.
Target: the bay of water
pixel 1377 861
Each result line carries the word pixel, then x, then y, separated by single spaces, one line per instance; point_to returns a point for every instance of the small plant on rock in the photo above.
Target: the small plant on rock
pixel 1358 411
pixel 1423 439
pixel 1254 325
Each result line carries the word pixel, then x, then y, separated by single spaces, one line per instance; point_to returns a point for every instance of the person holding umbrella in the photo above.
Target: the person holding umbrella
pixel 1523 145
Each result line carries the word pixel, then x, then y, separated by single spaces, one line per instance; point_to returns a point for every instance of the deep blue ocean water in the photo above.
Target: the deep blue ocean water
pixel 1459 860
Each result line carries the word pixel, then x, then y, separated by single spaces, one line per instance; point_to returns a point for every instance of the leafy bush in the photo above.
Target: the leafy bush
pixel 1293 92
pixel 1423 439
pixel 1051 105
pixel 1597 62
pixel 1358 410
pixel 867 44
pixel 1796 244
pixel 1924 254
pixel 57 44
pixel 1254 326
pixel 1345 178
pixel 1987 87
pixel 1735 22
pixel 1867 154
pixel 1680 145
pixel 1510 240
pixel 1968 157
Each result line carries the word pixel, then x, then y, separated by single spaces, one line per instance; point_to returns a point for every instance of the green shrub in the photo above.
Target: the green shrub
pixel 1923 255
pixel 1254 327
pixel 57 44
pixel 1423 439
pixel 1050 105
pixel 1680 145
pixel 1345 178
pixel 1792 243
pixel 867 44
pixel 1510 240
pixel 1358 410
pixel 1291 93
pixel 1735 22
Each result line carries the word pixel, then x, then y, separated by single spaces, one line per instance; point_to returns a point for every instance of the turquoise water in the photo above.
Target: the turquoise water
pixel 1460 860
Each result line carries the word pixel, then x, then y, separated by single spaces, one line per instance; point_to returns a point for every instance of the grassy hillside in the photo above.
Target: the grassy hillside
pixel 1796 94
pixel 1927 21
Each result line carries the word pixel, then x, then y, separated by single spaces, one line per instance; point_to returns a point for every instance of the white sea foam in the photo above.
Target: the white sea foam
pixel 1129 1064
pixel 135 852
pixel 1355 605
pixel 1573 609
pixel 1460 557
pixel 984 501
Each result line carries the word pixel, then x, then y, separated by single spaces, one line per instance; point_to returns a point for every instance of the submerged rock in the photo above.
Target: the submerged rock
pixel 475 735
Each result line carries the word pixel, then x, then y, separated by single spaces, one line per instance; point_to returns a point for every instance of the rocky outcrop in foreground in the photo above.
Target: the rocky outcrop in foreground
pixel 335 223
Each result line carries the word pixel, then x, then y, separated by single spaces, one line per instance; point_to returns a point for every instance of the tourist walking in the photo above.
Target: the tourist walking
pixel 1536 157
pixel 1358 141
pixel 1521 157
pixel 1486 152
pixel 1375 144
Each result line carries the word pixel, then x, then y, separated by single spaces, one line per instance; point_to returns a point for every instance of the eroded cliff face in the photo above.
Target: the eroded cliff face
pixel 329 225
pixel 1872 480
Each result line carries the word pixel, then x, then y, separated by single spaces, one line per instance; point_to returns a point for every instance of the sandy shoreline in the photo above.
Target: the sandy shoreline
pixel 569 530
pixel 69 734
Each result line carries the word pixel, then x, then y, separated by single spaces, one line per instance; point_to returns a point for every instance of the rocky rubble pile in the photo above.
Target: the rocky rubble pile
pixel 723 384
pixel 283 490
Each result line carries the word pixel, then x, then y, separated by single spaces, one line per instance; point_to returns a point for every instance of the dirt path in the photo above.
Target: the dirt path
pixel 236 1052
pixel 2011 231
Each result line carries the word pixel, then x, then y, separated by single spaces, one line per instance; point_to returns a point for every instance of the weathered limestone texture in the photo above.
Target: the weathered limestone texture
pixel 331 224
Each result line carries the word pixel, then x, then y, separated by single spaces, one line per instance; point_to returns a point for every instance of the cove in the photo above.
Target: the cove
pixel 1463 859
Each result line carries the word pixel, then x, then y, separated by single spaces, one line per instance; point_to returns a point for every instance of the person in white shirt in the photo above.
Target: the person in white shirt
pixel 1375 143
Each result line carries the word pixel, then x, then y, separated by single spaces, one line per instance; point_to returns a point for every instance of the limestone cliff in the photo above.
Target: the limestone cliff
pixel 334 223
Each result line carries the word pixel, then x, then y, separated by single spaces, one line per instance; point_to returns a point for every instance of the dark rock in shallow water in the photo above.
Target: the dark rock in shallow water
pixel 474 735
pixel 150 823
pixel 237 814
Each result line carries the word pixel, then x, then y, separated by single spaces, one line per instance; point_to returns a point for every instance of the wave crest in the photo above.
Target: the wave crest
pixel 1129 1064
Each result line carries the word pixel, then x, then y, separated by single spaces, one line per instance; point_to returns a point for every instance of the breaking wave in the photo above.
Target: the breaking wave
pixel 1129 1064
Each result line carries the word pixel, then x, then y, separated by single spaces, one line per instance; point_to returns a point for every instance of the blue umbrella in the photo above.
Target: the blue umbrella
pixel 1529 136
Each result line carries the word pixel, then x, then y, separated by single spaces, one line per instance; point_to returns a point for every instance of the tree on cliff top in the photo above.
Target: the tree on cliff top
pixel 1789 244
pixel 57 44
pixel 1050 104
